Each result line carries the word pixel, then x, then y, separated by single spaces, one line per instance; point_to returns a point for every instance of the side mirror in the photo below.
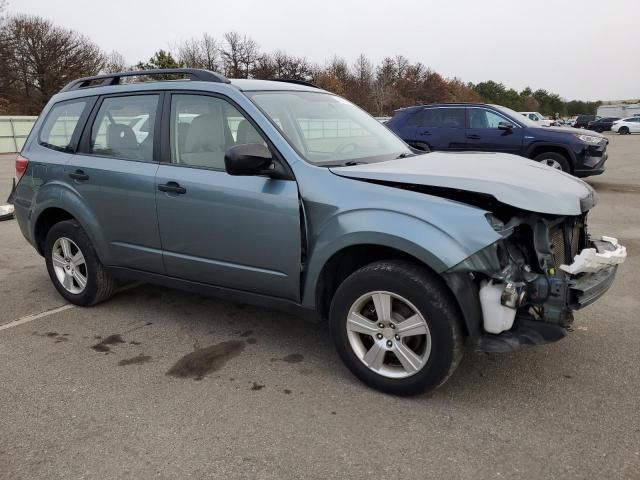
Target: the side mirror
pixel 249 159
pixel 505 126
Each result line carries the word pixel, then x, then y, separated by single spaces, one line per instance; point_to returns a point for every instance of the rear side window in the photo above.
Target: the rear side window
pixel 443 118
pixel 123 127
pixel 60 125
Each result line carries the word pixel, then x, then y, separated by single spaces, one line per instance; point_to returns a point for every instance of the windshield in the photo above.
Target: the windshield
pixel 521 118
pixel 327 130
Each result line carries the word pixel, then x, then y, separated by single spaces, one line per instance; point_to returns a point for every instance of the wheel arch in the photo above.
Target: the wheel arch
pixel 58 203
pixel 540 148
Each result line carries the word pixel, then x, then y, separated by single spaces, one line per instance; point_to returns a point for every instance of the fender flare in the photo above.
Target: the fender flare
pixel 60 196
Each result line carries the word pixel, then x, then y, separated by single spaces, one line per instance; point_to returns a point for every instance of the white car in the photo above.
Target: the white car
pixel 539 118
pixel 626 125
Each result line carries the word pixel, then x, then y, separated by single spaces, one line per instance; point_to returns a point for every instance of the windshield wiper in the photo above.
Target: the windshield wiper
pixel 406 155
pixel 350 163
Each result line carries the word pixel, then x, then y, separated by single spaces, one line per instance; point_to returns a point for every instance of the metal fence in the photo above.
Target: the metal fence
pixel 14 132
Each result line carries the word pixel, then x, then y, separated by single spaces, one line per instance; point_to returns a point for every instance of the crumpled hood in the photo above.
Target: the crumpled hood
pixel 510 179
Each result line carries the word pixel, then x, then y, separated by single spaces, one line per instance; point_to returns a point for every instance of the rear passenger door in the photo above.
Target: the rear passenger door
pixel 442 128
pixel 239 232
pixel 114 174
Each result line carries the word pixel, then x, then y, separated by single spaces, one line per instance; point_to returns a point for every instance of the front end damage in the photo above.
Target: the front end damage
pixel 529 283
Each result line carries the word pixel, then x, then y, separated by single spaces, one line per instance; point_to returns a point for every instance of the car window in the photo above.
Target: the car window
pixel 482 118
pixel 123 127
pixel 60 125
pixel 443 118
pixel 203 128
pixel 328 130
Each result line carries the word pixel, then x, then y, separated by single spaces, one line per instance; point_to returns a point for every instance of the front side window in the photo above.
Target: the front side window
pixel 123 127
pixel 203 128
pixel 327 130
pixel 481 118
pixel 60 125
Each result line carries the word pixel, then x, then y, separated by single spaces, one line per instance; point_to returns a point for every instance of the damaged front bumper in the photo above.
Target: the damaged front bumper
pixel 521 308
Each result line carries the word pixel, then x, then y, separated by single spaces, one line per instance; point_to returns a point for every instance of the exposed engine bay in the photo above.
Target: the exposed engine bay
pixel 542 270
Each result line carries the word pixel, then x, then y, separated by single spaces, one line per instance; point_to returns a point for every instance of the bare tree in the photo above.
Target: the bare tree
pixel 200 53
pixel 240 55
pixel 38 58
pixel 114 62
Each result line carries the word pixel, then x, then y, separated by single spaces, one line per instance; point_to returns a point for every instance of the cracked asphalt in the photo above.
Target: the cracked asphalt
pixel 165 384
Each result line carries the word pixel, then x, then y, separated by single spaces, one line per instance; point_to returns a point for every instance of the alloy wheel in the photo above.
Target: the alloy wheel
pixel 388 334
pixel 549 162
pixel 69 265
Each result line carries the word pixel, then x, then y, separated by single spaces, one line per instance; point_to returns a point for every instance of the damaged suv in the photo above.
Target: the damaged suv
pixel 282 194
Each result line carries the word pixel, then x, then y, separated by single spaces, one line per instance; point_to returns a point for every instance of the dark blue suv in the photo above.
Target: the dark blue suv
pixel 492 128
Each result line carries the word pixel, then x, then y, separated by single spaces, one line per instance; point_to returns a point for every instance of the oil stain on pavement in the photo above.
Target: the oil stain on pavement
pixel 199 363
pixel 106 343
pixel 134 360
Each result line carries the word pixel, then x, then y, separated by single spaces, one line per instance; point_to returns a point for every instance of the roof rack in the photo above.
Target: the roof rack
pixel 114 78
pixel 297 82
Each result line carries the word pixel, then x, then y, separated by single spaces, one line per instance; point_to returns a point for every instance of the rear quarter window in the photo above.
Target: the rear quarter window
pixel 59 127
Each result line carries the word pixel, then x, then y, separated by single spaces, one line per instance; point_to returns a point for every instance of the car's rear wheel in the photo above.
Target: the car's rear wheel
pixel 554 160
pixel 396 327
pixel 624 131
pixel 74 267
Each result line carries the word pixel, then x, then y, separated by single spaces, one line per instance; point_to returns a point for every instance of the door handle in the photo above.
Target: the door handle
pixel 172 187
pixel 474 137
pixel 425 133
pixel 79 175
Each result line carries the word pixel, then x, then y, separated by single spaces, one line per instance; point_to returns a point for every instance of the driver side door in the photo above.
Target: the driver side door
pixel 239 232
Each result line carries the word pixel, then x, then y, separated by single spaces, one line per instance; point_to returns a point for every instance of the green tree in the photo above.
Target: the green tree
pixel 160 59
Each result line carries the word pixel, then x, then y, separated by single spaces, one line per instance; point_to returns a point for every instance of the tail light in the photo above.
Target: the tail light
pixel 21 166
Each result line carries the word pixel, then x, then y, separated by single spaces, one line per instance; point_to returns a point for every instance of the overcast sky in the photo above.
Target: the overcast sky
pixel 581 49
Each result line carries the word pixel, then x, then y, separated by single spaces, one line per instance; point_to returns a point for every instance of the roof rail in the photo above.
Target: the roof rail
pixel 297 82
pixel 114 78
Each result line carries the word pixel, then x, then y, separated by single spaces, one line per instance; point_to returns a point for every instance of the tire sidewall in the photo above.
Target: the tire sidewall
pixel 73 231
pixel 439 319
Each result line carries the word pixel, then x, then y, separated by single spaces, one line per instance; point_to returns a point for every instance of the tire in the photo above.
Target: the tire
pixel 68 239
pixel 411 287
pixel 554 160
pixel 624 131
pixel 599 130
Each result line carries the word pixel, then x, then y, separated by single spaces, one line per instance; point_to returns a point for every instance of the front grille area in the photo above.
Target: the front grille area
pixel 567 239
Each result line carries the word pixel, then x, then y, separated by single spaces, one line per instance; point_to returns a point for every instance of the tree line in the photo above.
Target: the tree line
pixel 37 58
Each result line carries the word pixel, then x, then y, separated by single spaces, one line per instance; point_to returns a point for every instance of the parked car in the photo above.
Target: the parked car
pixel 627 125
pixel 582 121
pixel 538 118
pixel 282 194
pixel 491 128
pixel 602 124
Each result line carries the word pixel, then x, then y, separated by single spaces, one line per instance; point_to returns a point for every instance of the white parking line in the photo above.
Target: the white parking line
pixel 34 316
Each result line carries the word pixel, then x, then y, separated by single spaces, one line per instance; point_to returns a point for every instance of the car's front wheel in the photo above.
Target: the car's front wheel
pixel 624 131
pixel 74 267
pixel 554 160
pixel 396 327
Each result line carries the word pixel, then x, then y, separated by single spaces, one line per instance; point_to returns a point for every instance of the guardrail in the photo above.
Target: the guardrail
pixel 13 132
